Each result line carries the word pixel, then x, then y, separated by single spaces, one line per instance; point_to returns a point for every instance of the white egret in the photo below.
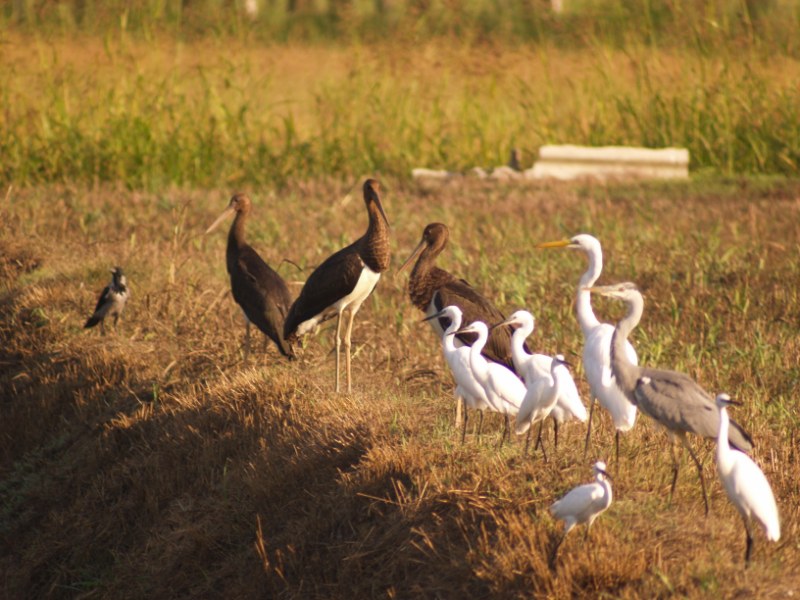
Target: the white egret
pixel 468 389
pixel 504 390
pixel 536 367
pixel 745 484
pixel 674 400
pixel 583 504
pixel 597 342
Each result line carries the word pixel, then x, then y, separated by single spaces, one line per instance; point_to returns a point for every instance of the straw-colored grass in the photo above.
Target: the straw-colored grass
pixel 156 463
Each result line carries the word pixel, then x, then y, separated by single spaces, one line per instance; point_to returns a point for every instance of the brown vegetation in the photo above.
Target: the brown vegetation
pixel 155 463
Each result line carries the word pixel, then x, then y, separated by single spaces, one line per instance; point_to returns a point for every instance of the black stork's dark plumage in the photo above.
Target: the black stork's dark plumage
pixel 111 302
pixel 344 280
pixel 432 288
pixel 257 288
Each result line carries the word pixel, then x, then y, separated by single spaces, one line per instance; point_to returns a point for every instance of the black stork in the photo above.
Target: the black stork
pixel 111 302
pixel 344 280
pixel 431 289
pixel 259 291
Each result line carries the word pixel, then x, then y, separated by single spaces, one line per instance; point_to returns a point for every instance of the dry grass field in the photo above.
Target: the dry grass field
pixel 157 463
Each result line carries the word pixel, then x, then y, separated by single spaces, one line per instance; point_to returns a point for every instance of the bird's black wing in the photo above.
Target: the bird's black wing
pixel 329 282
pixel 97 315
pixel 263 295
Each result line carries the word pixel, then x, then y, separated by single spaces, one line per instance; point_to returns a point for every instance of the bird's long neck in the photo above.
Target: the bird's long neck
pixel 236 234
pixel 518 354
pixel 724 457
pixel 583 300
pixel 625 372
pixel 477 362
pixel 603 481
pixel 375 251
pixel 420 282
pixel 449 340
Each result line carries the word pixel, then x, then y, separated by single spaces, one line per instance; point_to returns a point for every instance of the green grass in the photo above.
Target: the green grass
pixel 161 110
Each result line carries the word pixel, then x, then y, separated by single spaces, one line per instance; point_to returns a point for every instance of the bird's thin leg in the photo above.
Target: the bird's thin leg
pixel 102 327
pixel 555 435
pixel 116 321
pixel 616 447
pixel 338 346
pixel 699 470
pixel 528 441
pixel 505 431
pixel 463 424
pixel 749 543
pixel 539 441
pixel 480 426
pixel 459 415
pixel 589 428
pixel 554 552
pixel 347 346
pixel 675 467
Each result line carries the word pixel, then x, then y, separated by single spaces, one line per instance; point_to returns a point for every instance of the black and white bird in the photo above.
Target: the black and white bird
pixel 343 281
pixel 112 301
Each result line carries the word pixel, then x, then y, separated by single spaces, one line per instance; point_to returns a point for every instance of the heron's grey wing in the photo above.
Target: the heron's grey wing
pixel 676 401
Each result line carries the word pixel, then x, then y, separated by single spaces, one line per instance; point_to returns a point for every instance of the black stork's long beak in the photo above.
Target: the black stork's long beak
pixel 227 212
pixel 414 255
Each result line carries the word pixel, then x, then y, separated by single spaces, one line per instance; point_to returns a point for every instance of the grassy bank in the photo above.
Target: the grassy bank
pixel 156 463
pixel 150 112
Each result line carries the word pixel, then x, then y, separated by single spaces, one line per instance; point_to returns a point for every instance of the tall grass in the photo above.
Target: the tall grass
pixel 152 94
pixel 150 115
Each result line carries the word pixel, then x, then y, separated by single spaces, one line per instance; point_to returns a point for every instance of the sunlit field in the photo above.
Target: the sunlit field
pixel 158 461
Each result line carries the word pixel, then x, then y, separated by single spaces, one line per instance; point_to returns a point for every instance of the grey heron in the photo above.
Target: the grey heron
pixel 672 399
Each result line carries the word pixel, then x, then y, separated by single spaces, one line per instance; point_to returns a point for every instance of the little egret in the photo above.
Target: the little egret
pixel 468 389
pixel 111 302
pixel 597 343
pixel 674 400
pixel 745 484
pixel 504 390
pixel 583 504
pixel 344 280
pixel 258 289
pixel 535 370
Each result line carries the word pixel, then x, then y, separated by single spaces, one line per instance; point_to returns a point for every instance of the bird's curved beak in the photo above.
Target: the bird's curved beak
pixel 566 363
pixel 414 255
pixel 555 244
pixel 605 474
pixel 228 211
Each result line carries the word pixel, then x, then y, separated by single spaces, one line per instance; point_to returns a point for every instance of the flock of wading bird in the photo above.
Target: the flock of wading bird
pixel 489 358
